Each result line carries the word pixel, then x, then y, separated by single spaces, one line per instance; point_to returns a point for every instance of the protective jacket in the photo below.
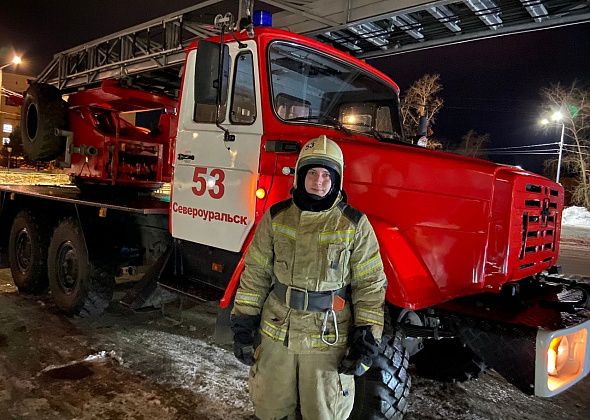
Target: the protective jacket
pixel 316 252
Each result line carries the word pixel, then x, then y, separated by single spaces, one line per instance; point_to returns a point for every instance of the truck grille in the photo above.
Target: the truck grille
pixel 540 207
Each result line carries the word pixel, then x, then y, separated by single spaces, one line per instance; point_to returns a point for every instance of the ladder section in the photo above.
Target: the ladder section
pixel 153 46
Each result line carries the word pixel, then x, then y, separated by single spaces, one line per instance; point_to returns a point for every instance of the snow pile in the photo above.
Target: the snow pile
pixel 576 216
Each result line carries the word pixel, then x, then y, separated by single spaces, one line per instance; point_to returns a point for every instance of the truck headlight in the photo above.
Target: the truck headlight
pixel 557 355
pixel 562 359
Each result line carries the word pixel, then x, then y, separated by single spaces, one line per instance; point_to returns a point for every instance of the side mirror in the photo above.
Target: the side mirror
pixel 207 81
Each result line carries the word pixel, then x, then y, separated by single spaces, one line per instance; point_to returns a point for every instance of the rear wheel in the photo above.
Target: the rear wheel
pixel 382 392
pixel 42 112
pixel 27 251
pixel 78 286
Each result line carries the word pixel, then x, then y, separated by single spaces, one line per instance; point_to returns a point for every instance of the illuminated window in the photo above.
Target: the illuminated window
pixel 7 128
pixel 5 141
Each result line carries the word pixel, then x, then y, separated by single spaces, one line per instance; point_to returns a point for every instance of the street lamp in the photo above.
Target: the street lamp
pixel 16 60
pixel 557 118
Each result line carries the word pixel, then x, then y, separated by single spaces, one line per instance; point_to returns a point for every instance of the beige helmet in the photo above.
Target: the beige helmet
pixel 321 151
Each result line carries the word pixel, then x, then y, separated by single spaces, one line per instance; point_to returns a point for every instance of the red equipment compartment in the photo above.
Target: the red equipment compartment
pixel 110 150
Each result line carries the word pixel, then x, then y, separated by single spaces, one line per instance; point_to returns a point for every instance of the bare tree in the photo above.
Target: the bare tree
pixel 434 144
pixel 473 144
pixel 421 99
pixel 574 105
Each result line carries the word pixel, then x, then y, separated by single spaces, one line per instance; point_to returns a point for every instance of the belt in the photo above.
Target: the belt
pixel 303 300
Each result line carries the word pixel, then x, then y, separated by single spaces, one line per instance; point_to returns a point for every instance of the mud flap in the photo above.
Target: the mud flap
pixel 223 333
pixel 508 349
pixel 139 295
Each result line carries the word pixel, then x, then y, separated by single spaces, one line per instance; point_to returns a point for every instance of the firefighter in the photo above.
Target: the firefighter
pixel 314 288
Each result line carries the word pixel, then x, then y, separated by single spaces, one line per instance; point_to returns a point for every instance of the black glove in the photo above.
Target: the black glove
pixel 361 352
pixel 244 328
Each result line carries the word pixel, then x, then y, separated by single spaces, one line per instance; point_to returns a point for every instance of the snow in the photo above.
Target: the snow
pixel 576 216
pixel 190 363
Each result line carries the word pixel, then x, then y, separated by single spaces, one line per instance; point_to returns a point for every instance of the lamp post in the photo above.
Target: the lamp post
pixel 16 60
pixel 557 118
pixel 9 150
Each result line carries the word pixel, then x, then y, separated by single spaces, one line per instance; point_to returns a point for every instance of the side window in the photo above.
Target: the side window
pixel 243 107
pixel 383 121
pixel 207 82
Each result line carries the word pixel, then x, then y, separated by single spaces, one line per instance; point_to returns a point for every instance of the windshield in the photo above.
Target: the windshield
pixel 313 87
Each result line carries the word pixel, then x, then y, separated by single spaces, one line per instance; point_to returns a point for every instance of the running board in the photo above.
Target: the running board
pixel 191 287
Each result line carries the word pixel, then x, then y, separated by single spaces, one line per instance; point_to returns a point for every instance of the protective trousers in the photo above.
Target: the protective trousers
pixel 280 379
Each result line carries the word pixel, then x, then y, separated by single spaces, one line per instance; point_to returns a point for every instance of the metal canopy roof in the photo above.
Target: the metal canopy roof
pixel 151 54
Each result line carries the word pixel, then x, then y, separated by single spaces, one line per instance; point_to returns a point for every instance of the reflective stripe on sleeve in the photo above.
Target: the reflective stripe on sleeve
pixel 249 299
pixel 367 267
pixel 368 316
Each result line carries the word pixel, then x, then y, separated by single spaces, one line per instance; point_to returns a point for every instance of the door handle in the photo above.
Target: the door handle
pixel 182 156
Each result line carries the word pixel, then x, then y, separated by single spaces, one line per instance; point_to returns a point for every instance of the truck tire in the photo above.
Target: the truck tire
pixel 382 392
pixel 447 360
pixel 42 112
pixel 78 286
pixel 27 252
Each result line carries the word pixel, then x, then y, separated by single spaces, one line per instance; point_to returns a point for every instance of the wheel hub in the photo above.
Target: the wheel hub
pixel 23 250
pixel 67 267
pixel 32 122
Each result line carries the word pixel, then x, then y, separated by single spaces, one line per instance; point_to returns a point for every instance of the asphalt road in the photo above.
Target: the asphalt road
pixel 574 251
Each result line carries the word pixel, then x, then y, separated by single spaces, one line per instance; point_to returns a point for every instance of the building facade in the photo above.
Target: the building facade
pixel 10 104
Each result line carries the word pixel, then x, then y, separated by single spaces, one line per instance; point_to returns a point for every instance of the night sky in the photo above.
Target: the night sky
pixel 491 86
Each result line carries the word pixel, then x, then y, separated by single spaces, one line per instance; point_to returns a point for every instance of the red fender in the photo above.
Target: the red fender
pixel 409 282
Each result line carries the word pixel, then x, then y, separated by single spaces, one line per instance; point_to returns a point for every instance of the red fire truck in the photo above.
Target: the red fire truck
pixel 469 247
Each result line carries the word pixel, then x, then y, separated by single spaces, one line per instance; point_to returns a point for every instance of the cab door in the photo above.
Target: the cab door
pixel 213 194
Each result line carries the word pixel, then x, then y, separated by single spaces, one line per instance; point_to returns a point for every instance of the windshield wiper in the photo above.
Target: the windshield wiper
pixel 334 122
pixel 377 135
pixel 396 138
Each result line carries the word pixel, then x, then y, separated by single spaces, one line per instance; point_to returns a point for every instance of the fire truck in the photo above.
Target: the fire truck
pixel 469 247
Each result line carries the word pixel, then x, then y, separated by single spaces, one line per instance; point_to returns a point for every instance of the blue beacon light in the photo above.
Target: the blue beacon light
pixel 262 18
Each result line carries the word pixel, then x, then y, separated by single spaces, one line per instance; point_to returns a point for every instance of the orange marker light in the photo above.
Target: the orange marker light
pixel 260 193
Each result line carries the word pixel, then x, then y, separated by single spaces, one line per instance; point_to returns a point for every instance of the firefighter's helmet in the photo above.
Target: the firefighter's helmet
pixel 321 151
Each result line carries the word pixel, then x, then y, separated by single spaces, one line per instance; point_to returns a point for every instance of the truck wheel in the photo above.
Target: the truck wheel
pixel 78 286
pixel 382 392
pixel 27 251
pixel 42 112
pixel 447 360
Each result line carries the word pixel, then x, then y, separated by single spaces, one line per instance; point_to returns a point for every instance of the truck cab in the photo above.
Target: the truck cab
pixel 448 226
